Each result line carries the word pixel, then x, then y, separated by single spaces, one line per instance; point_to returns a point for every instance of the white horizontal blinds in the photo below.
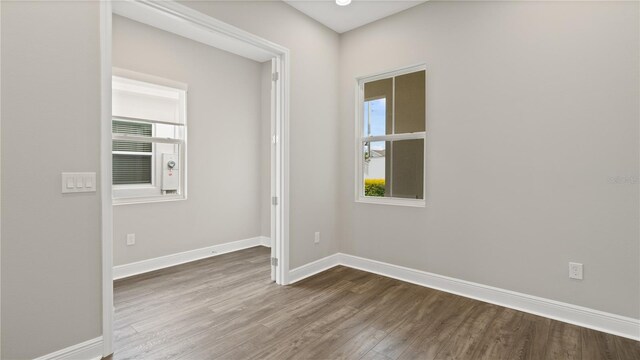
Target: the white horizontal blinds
pixel 132 161
pixel 132 128
pixel 133 99
pixel 131 169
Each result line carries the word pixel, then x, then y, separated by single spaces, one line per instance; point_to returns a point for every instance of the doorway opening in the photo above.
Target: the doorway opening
pixel 148 160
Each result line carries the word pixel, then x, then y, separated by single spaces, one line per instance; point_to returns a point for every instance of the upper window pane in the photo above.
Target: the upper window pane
pixel 169 131
pixel 375 117
pixel 131 128
pixel 378 96
pixel 410 102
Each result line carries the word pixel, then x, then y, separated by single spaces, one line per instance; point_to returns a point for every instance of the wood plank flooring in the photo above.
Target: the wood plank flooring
pixel 226 307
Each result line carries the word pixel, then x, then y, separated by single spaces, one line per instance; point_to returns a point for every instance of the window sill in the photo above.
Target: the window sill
pixel 147 199
pixel 391 201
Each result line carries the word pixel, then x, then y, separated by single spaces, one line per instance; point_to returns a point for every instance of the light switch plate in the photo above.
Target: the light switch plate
pixel 78 182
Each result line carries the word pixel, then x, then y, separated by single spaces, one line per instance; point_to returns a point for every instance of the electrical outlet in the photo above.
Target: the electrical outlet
pixel 316 239
pixel 575 271
pixel 131 239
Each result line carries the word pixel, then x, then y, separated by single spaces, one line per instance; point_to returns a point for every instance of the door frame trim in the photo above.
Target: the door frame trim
pixel 187 22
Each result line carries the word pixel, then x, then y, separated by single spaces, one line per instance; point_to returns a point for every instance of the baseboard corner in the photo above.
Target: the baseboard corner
pixel 314 267
pixel 87 350
pixel 265 241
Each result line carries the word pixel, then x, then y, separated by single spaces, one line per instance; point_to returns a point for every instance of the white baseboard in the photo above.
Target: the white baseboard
pixel 573 314
pixel 313 268
pixel 88 350
pixel 140 267
pixel 265 241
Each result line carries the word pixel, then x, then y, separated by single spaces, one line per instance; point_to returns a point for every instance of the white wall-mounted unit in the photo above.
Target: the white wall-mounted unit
pixel 170 172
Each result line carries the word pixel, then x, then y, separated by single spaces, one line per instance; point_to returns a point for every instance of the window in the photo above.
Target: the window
pixel 132 161
pixel 391 125
pixel 149 140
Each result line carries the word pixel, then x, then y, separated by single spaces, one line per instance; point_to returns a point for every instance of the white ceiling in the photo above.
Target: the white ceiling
pixel 358 13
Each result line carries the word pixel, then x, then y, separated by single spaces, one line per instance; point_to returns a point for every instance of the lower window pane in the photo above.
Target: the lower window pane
pixel 131 169
pixel 374 171
pixel 407 174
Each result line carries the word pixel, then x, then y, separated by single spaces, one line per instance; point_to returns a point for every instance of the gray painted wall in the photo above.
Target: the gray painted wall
pixel 51 273
pixel 224 146
pixel 531 108
pixel 51 276
pixel 313 116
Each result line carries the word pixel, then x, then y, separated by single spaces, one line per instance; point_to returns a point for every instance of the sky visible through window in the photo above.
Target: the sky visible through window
pixel 375 120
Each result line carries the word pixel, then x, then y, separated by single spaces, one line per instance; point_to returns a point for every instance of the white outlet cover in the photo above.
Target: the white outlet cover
pixel 131 239
pixel 575 271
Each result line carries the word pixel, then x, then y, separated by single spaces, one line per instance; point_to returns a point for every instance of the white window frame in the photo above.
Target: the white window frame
pixel 149 193
pixel 360 139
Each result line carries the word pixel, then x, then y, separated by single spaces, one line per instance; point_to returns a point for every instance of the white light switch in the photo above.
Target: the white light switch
pixel 78 182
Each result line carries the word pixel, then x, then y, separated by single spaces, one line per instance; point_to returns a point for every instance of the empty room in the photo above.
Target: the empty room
pixel 179 105
pixel 321 179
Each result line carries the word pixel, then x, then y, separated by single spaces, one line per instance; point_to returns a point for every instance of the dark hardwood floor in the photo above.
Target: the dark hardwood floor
pixel 226 307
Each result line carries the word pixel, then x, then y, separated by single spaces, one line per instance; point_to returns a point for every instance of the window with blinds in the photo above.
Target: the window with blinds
pixel 148 138
pixel 132 161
